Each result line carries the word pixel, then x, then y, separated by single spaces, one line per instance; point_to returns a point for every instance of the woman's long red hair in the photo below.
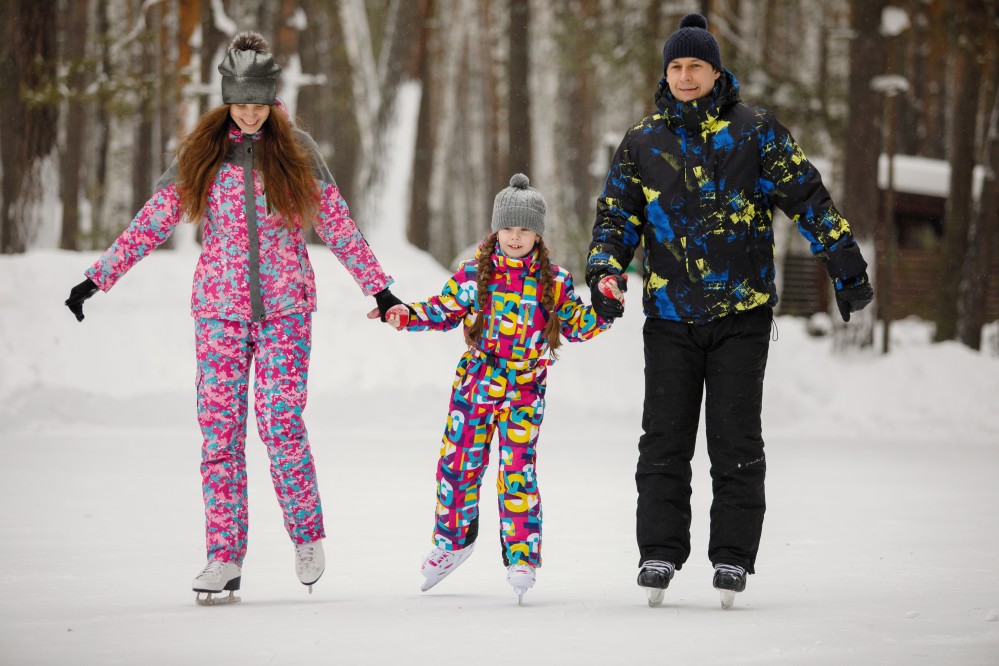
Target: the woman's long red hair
pixel 289 181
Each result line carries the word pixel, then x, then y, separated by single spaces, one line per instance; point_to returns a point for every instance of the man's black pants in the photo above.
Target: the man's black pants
pixel 726 357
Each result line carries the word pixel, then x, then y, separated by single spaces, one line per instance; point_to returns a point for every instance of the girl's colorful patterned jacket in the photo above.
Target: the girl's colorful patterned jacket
pixel 251 267
pixel 516 317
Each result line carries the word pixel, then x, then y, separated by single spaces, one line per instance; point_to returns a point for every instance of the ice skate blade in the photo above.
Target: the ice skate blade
pixel 727 598
pixel 209 600
pixel 656 596
pixel 520 591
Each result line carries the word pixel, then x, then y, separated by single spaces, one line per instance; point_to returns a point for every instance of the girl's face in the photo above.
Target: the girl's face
pixel 690 78
pixel 516 242
pixel 249 117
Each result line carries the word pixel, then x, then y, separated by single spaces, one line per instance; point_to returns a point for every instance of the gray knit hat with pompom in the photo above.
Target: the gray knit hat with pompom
pixel 249 73
pixel 519 205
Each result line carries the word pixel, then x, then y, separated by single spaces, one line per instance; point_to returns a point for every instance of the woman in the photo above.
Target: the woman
pixel 255 181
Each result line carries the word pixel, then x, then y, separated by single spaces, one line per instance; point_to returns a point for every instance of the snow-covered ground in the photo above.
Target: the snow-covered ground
pixel 880 545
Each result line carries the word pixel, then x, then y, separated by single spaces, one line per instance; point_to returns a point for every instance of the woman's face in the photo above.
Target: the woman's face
pixel 249 117
pixel 516 242
pixel 690 78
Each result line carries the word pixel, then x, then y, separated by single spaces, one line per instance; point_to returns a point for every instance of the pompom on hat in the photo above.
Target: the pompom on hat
pixel 249 73
pixel 519 205
pixel 692 40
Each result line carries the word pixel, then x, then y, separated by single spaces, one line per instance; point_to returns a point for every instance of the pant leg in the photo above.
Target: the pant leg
pixel 737 363
pixel 223 357
pixel 518 422
pixel 674 378
pixel 282 348
pixel 464 456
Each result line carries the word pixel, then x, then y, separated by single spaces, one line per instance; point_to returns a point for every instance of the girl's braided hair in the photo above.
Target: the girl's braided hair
pixel 546 286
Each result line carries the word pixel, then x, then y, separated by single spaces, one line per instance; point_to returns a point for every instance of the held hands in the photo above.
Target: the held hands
pixel 855 297
pixel 608 298
pixel 390 310
pixel 78 295
pixel 397 316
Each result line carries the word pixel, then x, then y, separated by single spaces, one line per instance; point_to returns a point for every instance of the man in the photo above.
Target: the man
pixel 696 184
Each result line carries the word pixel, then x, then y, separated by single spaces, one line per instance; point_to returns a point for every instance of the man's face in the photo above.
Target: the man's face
pixel 690 78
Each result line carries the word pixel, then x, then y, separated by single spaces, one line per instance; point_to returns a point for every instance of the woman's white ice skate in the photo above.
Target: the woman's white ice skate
pixel 310 562
pixel 215 578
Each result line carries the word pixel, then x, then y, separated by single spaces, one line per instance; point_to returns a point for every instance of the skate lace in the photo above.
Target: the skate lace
pixel 730 568
pixel 306 553
pixel 660 566
pixel 438 556
pixel 520 574
pixel 213 568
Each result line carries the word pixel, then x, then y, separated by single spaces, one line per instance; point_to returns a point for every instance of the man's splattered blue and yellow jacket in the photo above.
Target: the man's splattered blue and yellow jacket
pixel 696 185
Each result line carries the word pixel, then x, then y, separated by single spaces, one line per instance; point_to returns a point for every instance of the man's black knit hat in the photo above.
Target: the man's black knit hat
pixel 692 40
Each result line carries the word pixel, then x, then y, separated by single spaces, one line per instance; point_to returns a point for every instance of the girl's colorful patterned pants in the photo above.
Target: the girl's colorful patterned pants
pixel 279 350
pixel 490 395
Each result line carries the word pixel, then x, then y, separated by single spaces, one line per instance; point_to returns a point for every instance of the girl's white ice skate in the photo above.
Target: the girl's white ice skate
pixel 310 562
pixel 521 579
pixel 216 577
pixel 439 563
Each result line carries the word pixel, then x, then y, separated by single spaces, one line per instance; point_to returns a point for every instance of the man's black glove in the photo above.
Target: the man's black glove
pixel 78 294
pixel 607 295
pixel 386 299
pixel 855 297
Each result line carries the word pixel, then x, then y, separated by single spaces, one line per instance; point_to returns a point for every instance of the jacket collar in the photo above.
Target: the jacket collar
pixel 528 264
pixel 695 113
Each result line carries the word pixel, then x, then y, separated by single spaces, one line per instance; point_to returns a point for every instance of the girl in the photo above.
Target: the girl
pixel 514 304
pixel 256 181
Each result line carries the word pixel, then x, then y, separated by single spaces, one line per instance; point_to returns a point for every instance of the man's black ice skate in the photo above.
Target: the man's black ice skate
pixel 655 576
pixel 729 579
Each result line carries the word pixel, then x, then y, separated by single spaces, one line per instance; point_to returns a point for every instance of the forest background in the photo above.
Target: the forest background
pixel 96 94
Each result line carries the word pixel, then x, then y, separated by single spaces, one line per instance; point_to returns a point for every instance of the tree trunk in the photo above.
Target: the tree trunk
pixel 519 97
pixel 74 49
pixel 861 197
pixel 454 35
pixel 418 229
pixel 579 89
pixel 142 161
pixel 983 234
pixel 965 70
pixel 28 126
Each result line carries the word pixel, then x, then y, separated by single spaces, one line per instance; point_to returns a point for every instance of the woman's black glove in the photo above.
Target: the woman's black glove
pixel 78 294
pixel 385 300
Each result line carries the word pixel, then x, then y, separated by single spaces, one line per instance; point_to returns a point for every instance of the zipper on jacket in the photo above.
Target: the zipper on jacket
pixel 691 219
pixel 253 235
